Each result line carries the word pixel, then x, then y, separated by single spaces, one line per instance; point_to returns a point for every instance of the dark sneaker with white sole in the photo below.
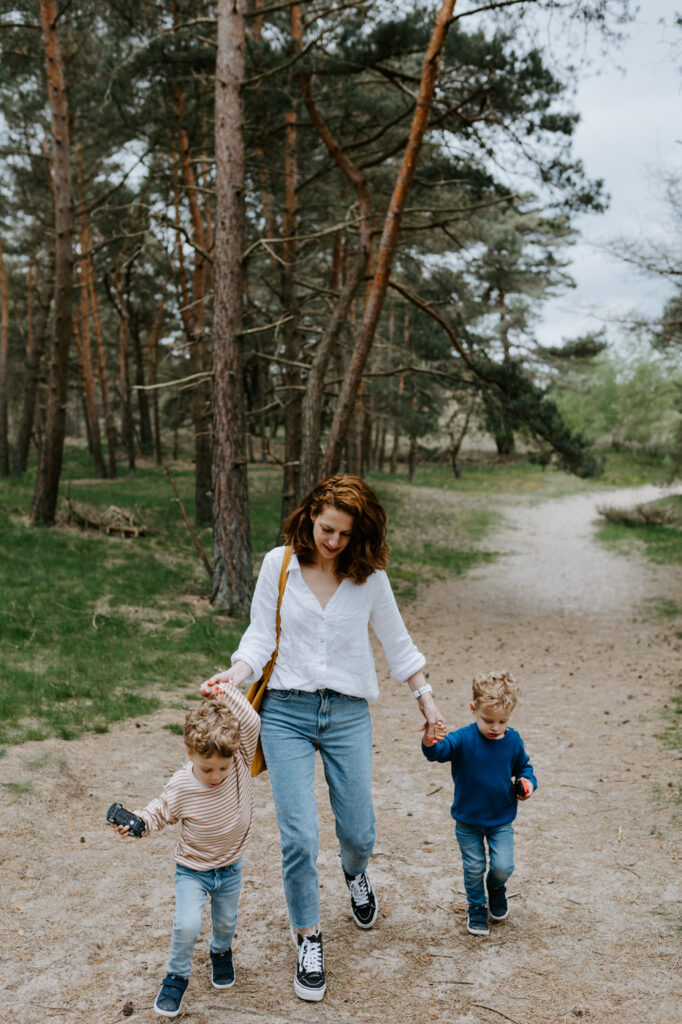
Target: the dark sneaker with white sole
pixel 477 919
pixel 169 999
pixel 309 980
pixel 498 906
pixel 363 902
pixel 223 969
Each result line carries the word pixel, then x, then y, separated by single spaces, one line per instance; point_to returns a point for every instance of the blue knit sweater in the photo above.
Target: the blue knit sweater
pixel 483 771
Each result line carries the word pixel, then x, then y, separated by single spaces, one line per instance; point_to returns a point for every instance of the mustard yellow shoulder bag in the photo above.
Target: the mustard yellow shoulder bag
pixel 257 689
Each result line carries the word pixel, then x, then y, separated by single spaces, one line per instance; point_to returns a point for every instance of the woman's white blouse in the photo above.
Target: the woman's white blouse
pixel 325 647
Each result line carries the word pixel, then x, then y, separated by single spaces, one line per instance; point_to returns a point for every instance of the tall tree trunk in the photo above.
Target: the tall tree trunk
pixel 412 459
pixel 82 338
pixel 363 343
pixel 393 465
pixel 153 356
pixel 82 335
pixel 292 341
pixel 311 417
pixel 146 437
pixel 52 449
pixel 194 322
pixel 232 566
pixel 109 426
pixel 127 429
pixel 4 357
pixel 34 352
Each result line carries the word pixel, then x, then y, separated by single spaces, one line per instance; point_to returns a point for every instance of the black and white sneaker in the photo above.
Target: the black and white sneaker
pixel 309 980
pixel 363 902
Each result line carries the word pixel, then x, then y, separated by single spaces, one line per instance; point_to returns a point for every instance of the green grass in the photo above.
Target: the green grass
pixel 519 476
pixel 93 627
pixel 662 544
pixel 96 629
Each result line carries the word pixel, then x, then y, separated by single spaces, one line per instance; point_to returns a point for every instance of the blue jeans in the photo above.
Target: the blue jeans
pixel 472 840
pixel 293 724
pixel 191 890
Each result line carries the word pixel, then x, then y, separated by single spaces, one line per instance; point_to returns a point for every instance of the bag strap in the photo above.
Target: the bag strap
pixel 283 577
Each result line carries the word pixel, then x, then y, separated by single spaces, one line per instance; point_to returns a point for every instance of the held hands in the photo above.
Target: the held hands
pixel 440 731
pixel 434 728
pixel 218 684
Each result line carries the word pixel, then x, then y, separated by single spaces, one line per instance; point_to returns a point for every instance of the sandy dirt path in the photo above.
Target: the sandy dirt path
pixel 595 909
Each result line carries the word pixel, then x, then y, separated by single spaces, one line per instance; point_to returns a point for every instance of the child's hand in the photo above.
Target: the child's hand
pixel 217 684
pixel 523 789
pixel 123 830
pixel 439 732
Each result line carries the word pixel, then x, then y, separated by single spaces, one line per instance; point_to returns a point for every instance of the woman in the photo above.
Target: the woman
pixel 318 694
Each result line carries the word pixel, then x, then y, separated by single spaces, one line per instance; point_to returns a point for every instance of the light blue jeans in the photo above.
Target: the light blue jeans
pixel 293 724
pixel 191 889
pixel 472 840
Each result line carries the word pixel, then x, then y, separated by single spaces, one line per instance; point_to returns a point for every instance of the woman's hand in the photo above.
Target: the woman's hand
pixel 434 727
pixel 217 684
pixel 440 731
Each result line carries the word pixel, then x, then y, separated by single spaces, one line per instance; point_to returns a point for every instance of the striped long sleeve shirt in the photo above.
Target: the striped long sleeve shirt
pixel 215 821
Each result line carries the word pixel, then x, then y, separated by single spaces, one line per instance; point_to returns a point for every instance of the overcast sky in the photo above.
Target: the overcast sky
pixel 631 125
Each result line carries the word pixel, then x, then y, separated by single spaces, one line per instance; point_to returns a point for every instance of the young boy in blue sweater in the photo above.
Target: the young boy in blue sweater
pixel 492 772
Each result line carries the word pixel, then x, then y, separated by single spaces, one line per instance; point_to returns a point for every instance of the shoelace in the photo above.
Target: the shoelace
pixel 310 955
pixel 359 890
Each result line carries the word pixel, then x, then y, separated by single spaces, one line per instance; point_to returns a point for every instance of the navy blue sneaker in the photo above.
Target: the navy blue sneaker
pixel 477 920
pixel 169 999
pixel 497 901
pixel 223 970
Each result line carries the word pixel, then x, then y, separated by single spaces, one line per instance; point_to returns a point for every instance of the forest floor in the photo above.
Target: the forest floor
pixel 593 931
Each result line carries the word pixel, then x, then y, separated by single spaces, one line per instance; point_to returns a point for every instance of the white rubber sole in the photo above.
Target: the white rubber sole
pixel 310 995
pixel 167 1013
pixel 229 984
pixel 369 924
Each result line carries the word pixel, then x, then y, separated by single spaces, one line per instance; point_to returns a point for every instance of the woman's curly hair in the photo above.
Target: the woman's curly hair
pixel 367 550
pixel 211 728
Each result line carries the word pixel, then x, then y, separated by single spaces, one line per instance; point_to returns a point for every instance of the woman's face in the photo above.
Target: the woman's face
pixel 332 531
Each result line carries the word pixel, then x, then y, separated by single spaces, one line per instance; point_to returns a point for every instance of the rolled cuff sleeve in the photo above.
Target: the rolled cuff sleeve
pixel 404 657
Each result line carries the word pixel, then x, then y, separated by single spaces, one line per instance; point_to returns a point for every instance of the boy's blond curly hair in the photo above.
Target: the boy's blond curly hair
pixel 210 729
pixel 495 690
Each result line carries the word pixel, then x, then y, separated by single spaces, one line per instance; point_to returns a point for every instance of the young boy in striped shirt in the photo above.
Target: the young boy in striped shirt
pixel 212 798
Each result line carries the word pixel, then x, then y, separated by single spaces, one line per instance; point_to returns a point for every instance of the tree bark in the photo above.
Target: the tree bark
pixel 109 426
pixel 363 343
pixel 194 322
pixel 127 429
pixel 292 341
pixel 232 566
pixel 311 417
pixel 52 449
pixel 34 352
pixel 153 356
pixel 4 355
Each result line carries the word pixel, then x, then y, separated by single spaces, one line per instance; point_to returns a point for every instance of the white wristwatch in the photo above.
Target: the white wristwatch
pixel 427 688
